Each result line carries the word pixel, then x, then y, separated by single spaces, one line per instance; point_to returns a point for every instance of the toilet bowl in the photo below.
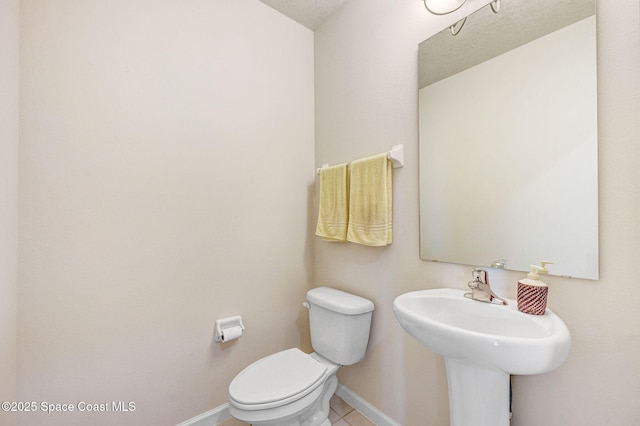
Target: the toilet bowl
pixel 293 388
pixel 286 388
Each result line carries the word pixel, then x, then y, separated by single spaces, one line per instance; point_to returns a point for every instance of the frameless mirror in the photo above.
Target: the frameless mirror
pixel 508 139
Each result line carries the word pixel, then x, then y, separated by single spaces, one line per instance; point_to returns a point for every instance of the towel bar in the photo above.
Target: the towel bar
pixel 395 154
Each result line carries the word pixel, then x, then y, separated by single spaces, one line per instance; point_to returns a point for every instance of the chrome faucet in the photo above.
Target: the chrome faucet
pixel 480 289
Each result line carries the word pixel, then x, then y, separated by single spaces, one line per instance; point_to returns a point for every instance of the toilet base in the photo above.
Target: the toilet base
pixel 320 408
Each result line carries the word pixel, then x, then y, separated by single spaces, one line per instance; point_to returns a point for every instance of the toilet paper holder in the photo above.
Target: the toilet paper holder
pixel 228 328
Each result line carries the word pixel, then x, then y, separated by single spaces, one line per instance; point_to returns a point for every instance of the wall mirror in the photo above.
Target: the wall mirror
pixel 508 139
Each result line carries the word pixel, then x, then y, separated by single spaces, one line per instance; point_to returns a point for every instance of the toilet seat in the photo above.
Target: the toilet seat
pixel 276 380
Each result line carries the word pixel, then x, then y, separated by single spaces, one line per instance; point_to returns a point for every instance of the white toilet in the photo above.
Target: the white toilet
pixel 292 388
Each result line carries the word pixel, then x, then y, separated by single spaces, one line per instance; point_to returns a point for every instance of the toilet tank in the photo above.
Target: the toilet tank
pixel 339 324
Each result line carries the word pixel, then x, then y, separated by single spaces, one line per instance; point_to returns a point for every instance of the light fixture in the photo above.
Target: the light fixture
pixel 442 7
pixel 457 27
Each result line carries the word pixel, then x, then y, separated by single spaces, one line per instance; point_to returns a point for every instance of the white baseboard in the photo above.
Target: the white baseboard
pixel 221 413
pixel 210 418
pixel 371 412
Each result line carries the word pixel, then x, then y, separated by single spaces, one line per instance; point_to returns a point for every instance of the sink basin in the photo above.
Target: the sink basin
pixel 487 334
pixel 483 344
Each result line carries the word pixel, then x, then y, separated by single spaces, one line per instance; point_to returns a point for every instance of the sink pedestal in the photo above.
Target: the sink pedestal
pixel 477 396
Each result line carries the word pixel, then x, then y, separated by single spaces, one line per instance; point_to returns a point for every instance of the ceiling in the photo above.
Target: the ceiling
pixel 310 13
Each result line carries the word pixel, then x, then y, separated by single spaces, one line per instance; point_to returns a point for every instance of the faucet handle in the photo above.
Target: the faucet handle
pixel 480 275
pixel 480 289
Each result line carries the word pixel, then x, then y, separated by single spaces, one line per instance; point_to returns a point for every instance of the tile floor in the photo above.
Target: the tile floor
pixel 342 414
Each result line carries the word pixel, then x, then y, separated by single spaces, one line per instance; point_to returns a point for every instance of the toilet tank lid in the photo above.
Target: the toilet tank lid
pixel 339 301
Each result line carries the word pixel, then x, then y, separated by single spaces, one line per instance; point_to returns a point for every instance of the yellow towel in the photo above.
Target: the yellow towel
pixel 371 202
pixel 333 213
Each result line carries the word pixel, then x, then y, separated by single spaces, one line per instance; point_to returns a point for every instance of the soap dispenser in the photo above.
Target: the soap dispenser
pixel 532 292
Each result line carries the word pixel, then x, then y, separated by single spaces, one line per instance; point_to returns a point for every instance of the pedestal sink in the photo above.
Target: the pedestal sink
pixel 483 344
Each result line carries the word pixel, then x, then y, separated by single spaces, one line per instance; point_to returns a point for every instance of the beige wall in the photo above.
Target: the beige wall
pixel 366 101
pixel 8 200
pixel 166 169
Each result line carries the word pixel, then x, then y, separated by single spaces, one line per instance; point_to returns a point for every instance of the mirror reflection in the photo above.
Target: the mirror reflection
pixel 508 139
